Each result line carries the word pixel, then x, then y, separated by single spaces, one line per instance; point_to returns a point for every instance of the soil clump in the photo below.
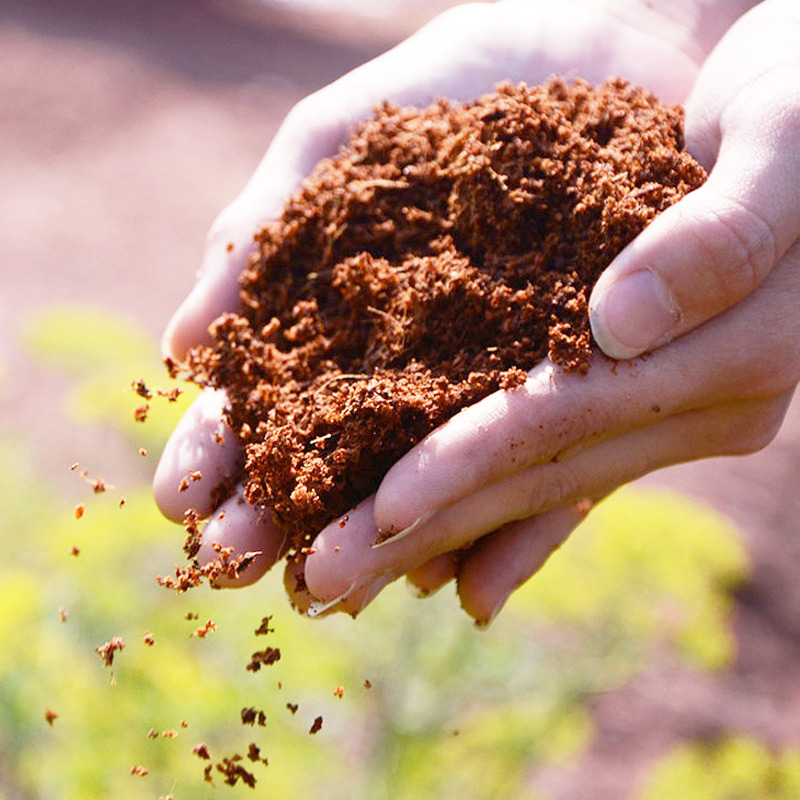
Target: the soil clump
pixel 439 256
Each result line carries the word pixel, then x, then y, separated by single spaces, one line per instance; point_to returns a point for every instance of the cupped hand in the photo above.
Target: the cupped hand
pixel 578 438
pixel 716 275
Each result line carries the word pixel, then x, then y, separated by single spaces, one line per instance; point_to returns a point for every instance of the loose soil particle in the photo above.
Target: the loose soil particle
pixel 107 650
pixel 438 257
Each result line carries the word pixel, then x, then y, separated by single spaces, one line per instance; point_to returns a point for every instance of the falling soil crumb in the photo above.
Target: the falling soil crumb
pixel 338 692
pixel 184 723
pixel 140 770
pixel 367 684
pixel 191 524
pixel 252 715
pixel 140 412
pixel 74 551
pixel 62 613
pixel 204 630
pixel 109 649
pixel 224 565
pixel 234 771
pixel 79 510
pixel 172 395
pixel 201 751
pixel 263 658
pixel 254 754
pixel 73 466
pixel 152 734
pixel 170 734
pixel 149 639
pixel 264 628
pixel 316 726
pixel 121 502
pixel 438 257
pixel 98 485
pixel 140 387
pixel 183 485
pixel 292 707
pixel 142 452
pixel 51 716
pixel 191 615
pixel 229 247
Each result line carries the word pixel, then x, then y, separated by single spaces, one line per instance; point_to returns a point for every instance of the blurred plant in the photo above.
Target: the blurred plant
pixel 729 769
pixel 448 712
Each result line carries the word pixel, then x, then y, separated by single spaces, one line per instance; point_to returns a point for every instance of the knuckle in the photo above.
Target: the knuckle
pixel 778 370
pixel 738 249
pixel 558 488
pixel 752 432
pixel 302 114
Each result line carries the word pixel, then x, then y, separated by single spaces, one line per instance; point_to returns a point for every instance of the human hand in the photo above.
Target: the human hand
pixel 509 471
pixel 481 45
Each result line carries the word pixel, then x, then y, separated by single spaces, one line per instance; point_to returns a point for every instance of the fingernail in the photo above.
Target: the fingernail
pixel 417 591
pixel 396 537
pixel 483 624
pixel 318 607
pixel 634 314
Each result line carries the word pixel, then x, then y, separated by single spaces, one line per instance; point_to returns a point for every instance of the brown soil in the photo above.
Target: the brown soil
pixel 435 259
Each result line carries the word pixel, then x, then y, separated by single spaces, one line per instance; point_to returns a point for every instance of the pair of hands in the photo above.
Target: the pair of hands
pixel 711 287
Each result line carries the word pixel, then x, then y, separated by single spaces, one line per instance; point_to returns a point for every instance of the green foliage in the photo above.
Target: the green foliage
pixel 731 769
pixel 104 353
pixel 645 565
pixel 451 712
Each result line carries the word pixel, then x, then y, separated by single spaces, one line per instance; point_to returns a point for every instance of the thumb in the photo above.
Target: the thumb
pixel 702 255
pixel 714 247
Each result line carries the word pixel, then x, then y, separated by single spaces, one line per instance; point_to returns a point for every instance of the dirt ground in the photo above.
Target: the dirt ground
pixel 127 126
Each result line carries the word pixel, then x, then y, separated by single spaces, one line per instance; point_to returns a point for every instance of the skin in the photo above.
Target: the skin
pixel 708 293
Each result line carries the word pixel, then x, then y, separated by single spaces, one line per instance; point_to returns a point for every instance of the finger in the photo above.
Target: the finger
pixel 247 529
pixel 352 602
pixel 591 472
pixel 501 562
pixel 534 423
pixel 201 454
pixel 715 246
pixel 429 577
pixel 750 352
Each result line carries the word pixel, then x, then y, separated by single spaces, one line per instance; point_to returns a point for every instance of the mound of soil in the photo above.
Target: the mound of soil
pixel 441 254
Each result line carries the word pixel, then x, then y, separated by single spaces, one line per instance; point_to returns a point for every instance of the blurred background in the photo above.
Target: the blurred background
pixel 657 656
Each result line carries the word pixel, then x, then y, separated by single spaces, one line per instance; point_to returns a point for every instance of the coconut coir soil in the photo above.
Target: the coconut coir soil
pixel 435 259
